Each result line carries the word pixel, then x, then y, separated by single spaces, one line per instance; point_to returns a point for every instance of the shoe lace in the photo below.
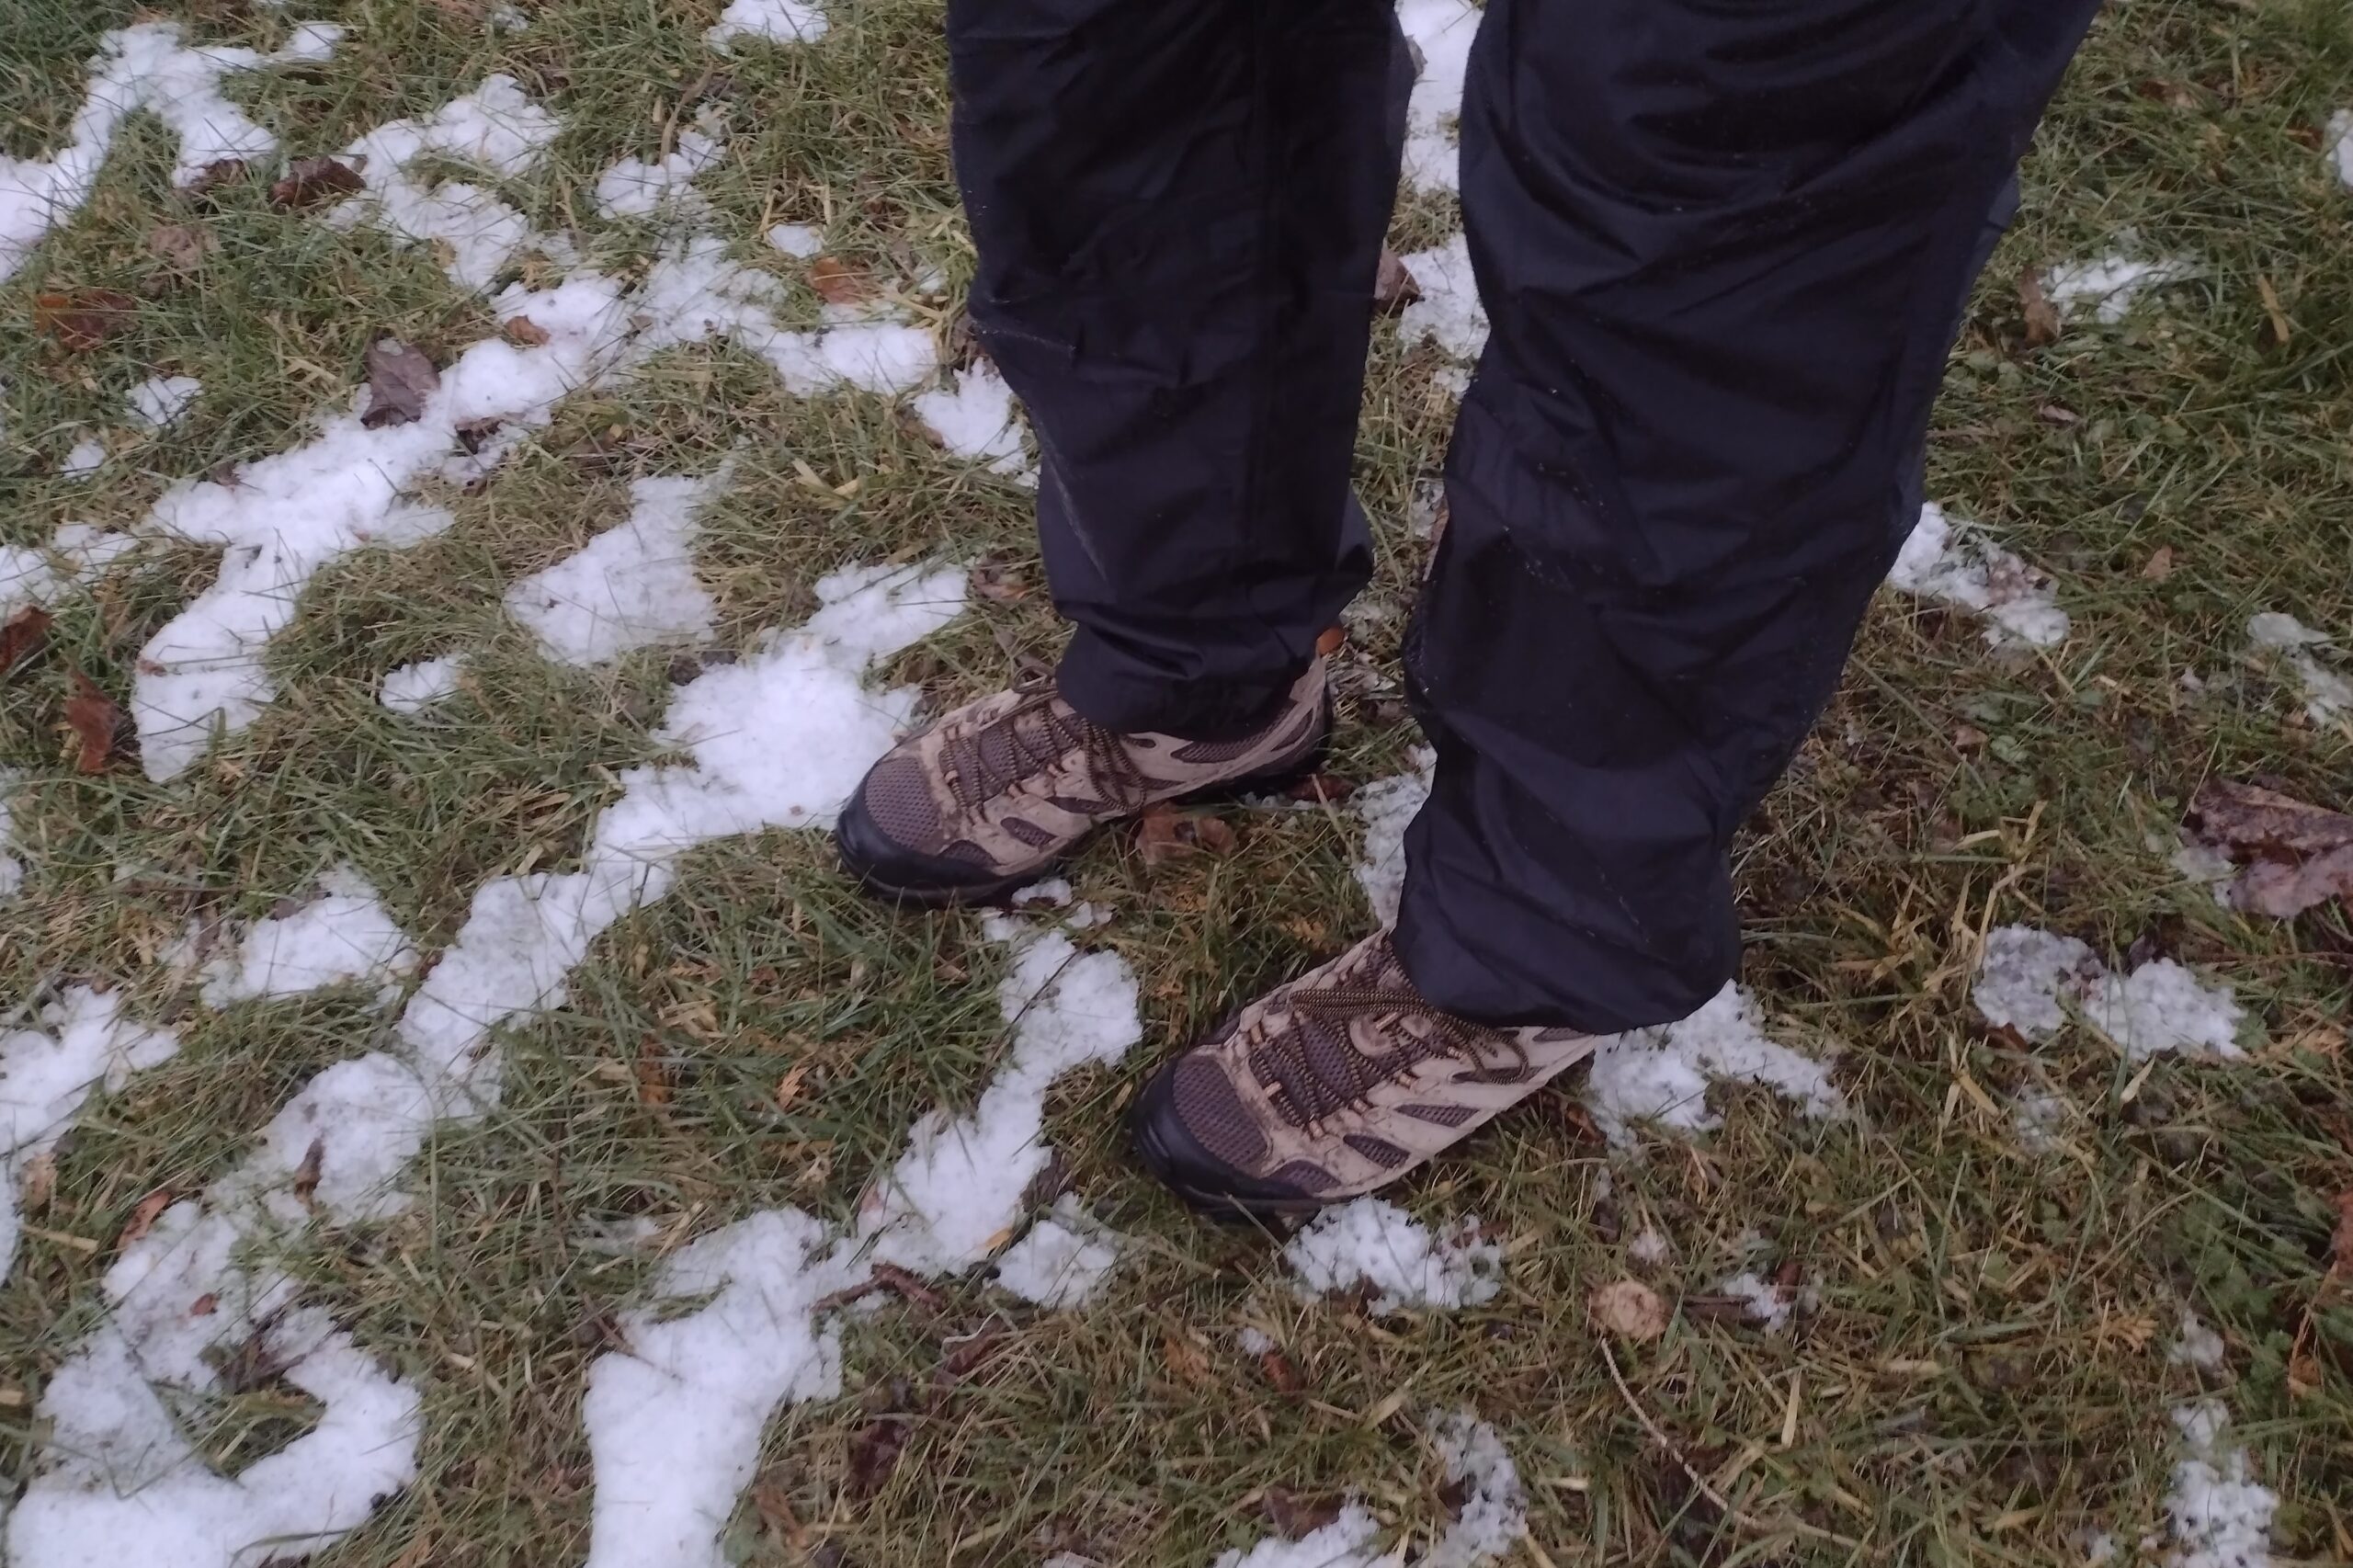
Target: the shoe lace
pixel 1038 732
pixel 1487 1050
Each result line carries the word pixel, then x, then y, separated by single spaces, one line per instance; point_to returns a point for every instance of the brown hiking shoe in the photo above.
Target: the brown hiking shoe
pixel 1332 1085
pixel 988 799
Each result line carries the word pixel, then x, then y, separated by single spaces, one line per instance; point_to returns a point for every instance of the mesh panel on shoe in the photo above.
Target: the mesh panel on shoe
pixel 1210 753
pixel 1443 1115
pixel 1030 834
pixel 899 799
pixel 1214 1114
pixel 1380 1151
pixel 1306 1176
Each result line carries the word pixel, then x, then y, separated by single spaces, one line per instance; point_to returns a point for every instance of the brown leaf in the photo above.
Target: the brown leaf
pixel 308 181
pixel 1186 1361
pixel 81 319
pixel 204 1306
pixel 891 1277
pixel 1331 641
pixel 180 247
pixel 2283 890
pixel 1628 1309
pixel 219 173
pixel 1295 1515
pixel 400 379
pixel 838 283
pixel 25 631
pixel 971 1353
pixel 2248 816
pixel 773 1502
pixel 2159 565
pixel 523 330
pixel 652 1074
pixel 142 1217
pixel 2305 1375
pixel 1164 834
pixel 1322 788
pixel 306 1175
pixel 35 1181
pixel 874 1453
pixel 95 719
pixel 1392 286
pixel 2041 316
pixel 1280 1372
pixel 999 583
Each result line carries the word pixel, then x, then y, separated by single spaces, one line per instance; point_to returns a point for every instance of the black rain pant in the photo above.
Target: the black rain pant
pixel 1724 245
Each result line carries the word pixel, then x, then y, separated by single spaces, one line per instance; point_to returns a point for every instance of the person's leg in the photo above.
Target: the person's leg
pixel 1178 207
pixel 1725 250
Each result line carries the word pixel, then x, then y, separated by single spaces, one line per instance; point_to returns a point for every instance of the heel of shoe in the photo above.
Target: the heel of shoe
pixel 1272 780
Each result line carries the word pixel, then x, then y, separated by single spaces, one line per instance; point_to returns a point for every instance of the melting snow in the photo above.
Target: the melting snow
pixel 2107 287
pixel 635 188
pixel 2338 149
pixel 75 556
pixel 1762 1301
pixel 344 934
pixel 1442 31
pixel 1945 558
pixel 1661 1075
pixel 1449 312
pixel 630 586
pixel 46 1074
pixel 1062 1259
pixel 415 686
pixel 157 403
pixel 2022 972
pixel 1494 1513
pixel 1372 1241
pixel 2328 695
pixel 2220 1519
pixel 2026 979
pixel 1388 808
pixel 12 870
pixel 800 240
pixel 144 67
pixel 975 418
pixel 2038 1117
pixel 1253 1340
pixel 88 455
pixel 786 21
pixel 2195 1345
pixel 1650 1246
pixel 1346 1542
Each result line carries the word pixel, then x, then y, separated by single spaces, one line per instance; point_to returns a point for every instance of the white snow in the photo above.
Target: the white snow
pixel 1054 892
pixel 12 870
pixel 2038 1117
pixel 1449 312
pixel 1253 1341
pixel 2338 149
pixel 1388 807
pixel 77 552
pixel 2328 695
pixel 1661 1075
pixel 415 686
pixel 144 67
pixel 2107 286
pixel 1495 1507
pixel 2027 978
pixel 636 187
pixel 975 418
pixel 1346 1542
pixel 1442 30
pixel 1372 1241
pixel 696 292
pixel 1062 1259
pixel 83 1043
pixel 86 457
pixel 496 128
pixel 2206 866
pixel 785 21
pixel 1946 558
pixel 157 403
pixel 1762 1301
pixel 2195 1345
pixel 1649 1247
pixel 2221 1518
pixel 342 935
pixel 798 240
pixel 631 587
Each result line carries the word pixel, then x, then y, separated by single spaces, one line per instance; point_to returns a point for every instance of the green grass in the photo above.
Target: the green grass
pixel 1986 1378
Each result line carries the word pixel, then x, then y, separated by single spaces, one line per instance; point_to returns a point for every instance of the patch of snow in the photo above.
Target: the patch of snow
pixel 2221 1518
pixel 83 1043
pixel 1441 30
pixel 77 552
pixel 2339 146
pixel 157 403
pixel 1762 1299
pixel 1054 892
pixel 2195 1345
pixel 1346 1542
pixel 631 587
pixel 344 934
pixel 784 21
pixel 88 455
pixel 1650 1246
pixel 415 686
pixel 1661 1075
pixel 2022 972
pixel 1086 914
pixel 2107 286
pixel 2328 695
pixel 1372 1241
pixel 635 188
pixel 696 292
pixel 1062 1259
pixel 1494 1514
pixel 2026 979
pixel 1388 808
pixel 618 1237
pixel 1253 1341
pixel 12 870
pixel 508 18
pixel 144 67
pixel 1948 558
pixel 976 419
pixel 1449 312
pixel 2207 867
pixel 798 240
pixel 2038 1117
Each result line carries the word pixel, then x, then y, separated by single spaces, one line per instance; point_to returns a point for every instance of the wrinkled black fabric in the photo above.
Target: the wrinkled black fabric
pixel 1724 245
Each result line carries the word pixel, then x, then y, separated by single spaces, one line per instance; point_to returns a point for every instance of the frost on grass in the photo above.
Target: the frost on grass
pixel 1370 1241
pixel 1441 30
pixel 631 587
pixel 974 417
pixel 1662 1076
pixel 1061 1259
pixel 1388 808
pixel 1946 559
pixel 1449 312
pixel 416 687
pixel 343 935
pixel 2328 695
pixel 675 1420
pixel 81 1044
pixel 145 67
pixel 780 22
pixel 157 403
pixel 2195 1345
pixel 2221 1518
pixel 2028 979
pixel 2107 288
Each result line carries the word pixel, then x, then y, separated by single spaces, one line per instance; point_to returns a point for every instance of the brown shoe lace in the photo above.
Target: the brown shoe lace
pixel 1291 1066
pixel 1041 731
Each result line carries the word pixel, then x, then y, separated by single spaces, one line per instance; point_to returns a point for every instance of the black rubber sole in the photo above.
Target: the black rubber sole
pixel 1177 1161
pixel 888 872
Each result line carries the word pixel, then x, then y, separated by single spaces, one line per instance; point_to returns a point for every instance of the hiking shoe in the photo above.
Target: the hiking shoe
pixel 1332 1085
pixel 990 797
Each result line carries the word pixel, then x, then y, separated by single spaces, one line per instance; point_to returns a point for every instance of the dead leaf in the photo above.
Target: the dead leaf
pixel 180 247
pixel 771 1502
pixel 2279 328
pixel 25 631
pixel 1186 1361
pixel 838 283
pixel 1628 1309
pixel 400 379
pixel 142 1217
pixel 2041 316
pixel 2172 95
pixel 1331 641
pixel 1295 1515
pixel 874 1453
pixel 971 1353
pixel 2293 854
pixel 652 1074
pixel 1322 788
pixel 523 330
pixel 1280 1372
pixel 999 583
pixel 306 1175
pixel 1164 834
pixel 95 719
pixel 1968 738
pixel 2159 566
pixel 1392 286
pixel 2305 1375
pixel 788 1088
pixel 308 181
pixel 204 1306
pixel 216 174
pixel 2282 891
pixel 35 1181
pixel 81 319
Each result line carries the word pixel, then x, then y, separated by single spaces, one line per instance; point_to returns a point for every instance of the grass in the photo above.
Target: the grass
pixel 1985 1378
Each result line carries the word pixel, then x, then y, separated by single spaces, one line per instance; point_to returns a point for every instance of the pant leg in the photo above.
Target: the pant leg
pixel 1725 250
pixel 1178 208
